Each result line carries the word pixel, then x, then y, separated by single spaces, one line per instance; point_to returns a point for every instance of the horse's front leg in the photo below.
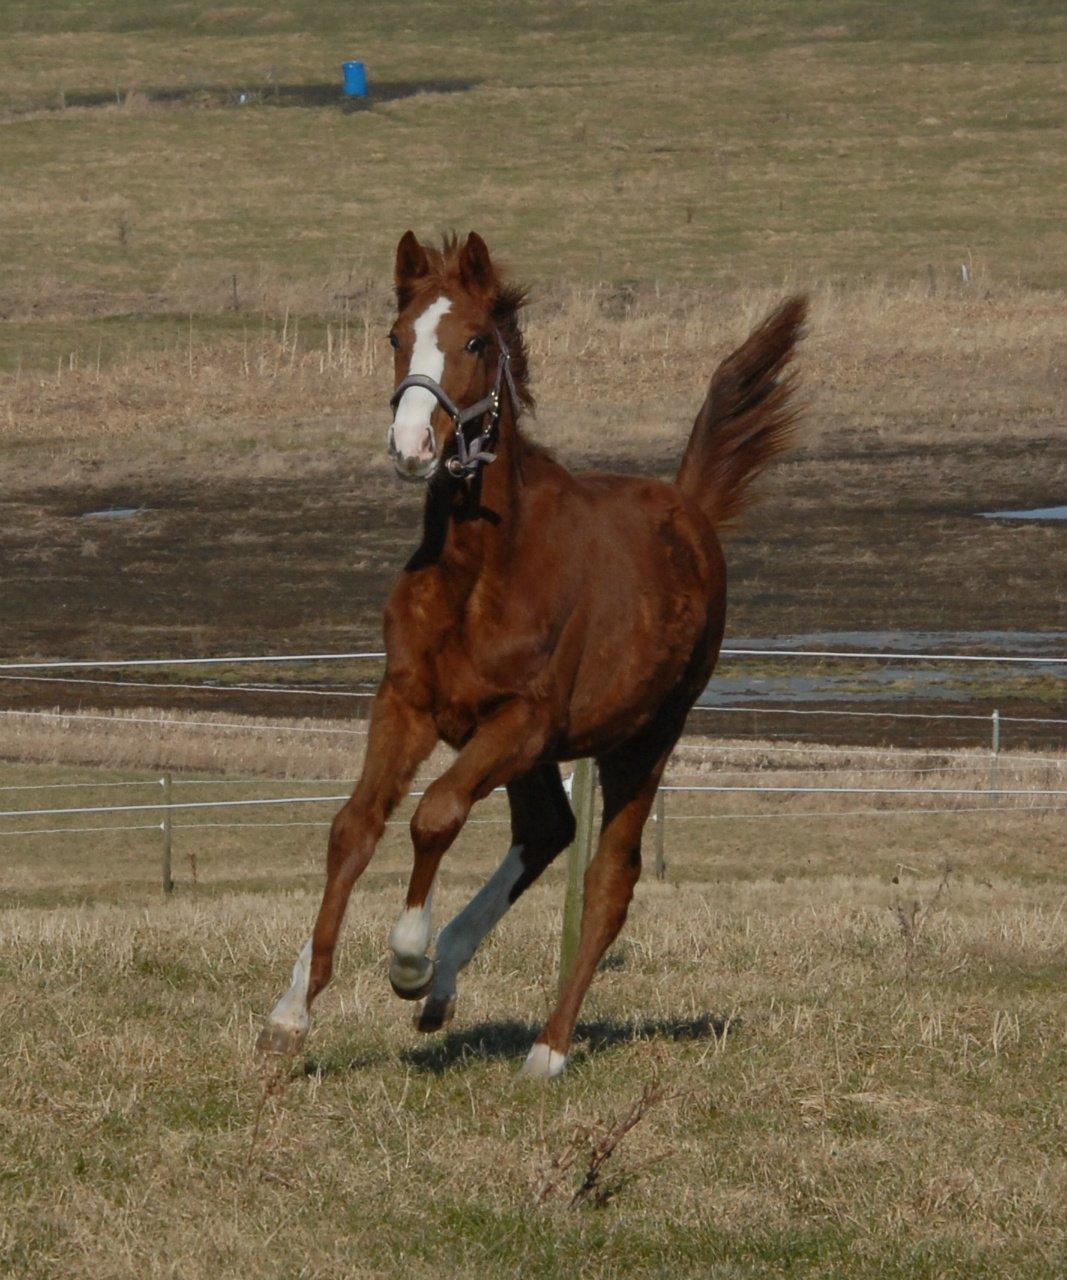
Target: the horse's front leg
pixel 400 739
pixel 504 746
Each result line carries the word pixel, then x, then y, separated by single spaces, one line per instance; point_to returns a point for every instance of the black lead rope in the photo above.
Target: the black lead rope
pixel 471 455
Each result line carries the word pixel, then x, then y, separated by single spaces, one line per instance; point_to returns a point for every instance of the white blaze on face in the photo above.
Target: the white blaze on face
pixel 411 425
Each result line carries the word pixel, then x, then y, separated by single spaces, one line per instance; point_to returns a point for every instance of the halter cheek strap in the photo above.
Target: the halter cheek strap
pixel 469 456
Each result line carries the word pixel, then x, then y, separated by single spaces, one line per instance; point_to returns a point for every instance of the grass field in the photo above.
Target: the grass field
pixel 844 1092
pixel 195 294
pixel 848 1031
pixel 598 141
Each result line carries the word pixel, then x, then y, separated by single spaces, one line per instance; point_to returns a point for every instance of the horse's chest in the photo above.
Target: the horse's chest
pixel 469 680
pixel 460 659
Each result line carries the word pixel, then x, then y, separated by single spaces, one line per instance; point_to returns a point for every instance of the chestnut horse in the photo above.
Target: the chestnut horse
pixel 545 616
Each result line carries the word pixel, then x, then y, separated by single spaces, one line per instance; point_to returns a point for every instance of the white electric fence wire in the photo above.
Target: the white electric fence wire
pixel 173 806
pixel 896 657
pixel 369 695
pixel 163 722
pixel 873 715
pixel 1004 763
pixel 986 811
pixel 366 696
pixel 861 655
pixel 78 786
pixel 859 750
pixel 76 831
pixel 165 686
pixel 875 791
pixel 775 790
pixel 393 822
pixel 809 814
pixel 103 663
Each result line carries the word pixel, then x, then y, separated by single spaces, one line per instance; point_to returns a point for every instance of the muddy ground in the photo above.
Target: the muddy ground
pixel 860 539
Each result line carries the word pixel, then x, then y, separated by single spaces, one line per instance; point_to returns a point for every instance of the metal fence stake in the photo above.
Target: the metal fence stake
pixel 994 754
pixel 168 881
pixel 578 855
pixel 659 817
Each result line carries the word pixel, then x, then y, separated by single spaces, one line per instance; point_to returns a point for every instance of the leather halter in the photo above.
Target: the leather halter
pixel 469 456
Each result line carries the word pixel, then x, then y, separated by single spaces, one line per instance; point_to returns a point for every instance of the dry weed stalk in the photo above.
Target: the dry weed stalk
pixel 275 1080
pixel 912 916
pixel 589 1148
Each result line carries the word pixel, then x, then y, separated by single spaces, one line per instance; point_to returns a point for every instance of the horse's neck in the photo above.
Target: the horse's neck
pixel 471 533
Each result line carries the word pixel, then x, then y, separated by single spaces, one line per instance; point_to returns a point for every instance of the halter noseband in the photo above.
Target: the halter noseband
pixel 469 457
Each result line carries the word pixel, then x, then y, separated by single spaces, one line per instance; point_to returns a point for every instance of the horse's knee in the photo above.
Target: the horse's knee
pixel 437 820
pixel 350 824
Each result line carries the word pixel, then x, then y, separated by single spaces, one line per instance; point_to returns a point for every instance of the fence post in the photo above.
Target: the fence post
pixel 578 855
pixel 659 817
pixel 994 754
pixel 168 882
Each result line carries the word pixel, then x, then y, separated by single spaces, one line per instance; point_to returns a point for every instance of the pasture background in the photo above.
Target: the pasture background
pixel 659 172
pixel 840 1101
pixel 194 293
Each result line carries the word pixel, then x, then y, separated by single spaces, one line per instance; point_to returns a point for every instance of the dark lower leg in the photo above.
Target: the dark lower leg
pixel 542 825
pixel 503 748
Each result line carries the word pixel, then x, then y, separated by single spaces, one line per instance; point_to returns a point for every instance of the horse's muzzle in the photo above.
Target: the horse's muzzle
pixel 417 469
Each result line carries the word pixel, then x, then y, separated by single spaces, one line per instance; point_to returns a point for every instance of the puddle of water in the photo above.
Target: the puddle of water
pixel 1036 513
pixel 1025 643
pixel 949 682
pixel 114 513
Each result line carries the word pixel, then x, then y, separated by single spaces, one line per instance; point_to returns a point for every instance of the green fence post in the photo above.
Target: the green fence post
pixel 660 819
pixel 578 855
pixel 168 881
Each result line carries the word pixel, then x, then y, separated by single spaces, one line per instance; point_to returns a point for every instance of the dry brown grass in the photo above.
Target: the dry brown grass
pixel 871 1110
pixel 882 363
pixel 738 834
pixel 886 1102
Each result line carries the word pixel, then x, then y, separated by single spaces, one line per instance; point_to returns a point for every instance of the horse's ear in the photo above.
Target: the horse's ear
pixel 412 265
pixel 476 268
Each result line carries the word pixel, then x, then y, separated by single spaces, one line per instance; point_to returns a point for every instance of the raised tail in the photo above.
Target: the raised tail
pixel 747 418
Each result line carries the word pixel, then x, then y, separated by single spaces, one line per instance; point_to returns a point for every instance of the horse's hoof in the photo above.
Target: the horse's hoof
pixel 409 981
pixel 275 1038
pixel 543 1063
pixel 435 1014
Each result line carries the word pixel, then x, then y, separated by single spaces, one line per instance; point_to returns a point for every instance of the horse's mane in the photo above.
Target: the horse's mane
pixel 506 304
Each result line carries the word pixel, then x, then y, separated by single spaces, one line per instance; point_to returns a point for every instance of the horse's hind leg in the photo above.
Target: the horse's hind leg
pixel 542 825
pixel 629 782
pixel 400 738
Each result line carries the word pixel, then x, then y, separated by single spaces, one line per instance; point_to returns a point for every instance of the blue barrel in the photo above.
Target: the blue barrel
pixel 355 82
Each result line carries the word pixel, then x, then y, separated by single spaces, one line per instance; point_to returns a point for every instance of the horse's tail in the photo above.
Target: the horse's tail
pixel 747 418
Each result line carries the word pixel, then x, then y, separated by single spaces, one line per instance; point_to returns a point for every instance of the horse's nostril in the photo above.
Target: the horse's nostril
pixel 428 442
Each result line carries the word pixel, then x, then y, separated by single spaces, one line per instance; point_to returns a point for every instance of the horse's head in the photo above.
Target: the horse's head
pixel 457 347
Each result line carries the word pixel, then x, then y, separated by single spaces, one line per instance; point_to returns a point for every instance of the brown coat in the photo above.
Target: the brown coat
pixel 544 616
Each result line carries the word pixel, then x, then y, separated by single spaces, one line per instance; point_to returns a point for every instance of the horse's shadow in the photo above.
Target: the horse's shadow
pixel 510 1038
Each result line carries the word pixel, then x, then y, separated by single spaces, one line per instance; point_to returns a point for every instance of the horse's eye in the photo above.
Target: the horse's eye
pixel 474 345
pixel 394 342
